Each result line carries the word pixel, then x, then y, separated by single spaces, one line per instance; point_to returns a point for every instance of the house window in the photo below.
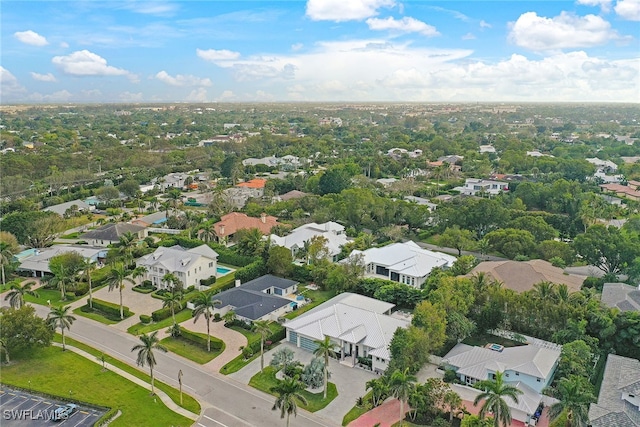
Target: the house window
pixel 210 264
pixel 506 375
pixel 517 374
pixel 539 380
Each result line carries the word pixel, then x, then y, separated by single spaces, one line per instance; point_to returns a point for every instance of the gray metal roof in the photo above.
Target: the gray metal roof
pixel 250 304
pixel 112 232
pixel 268 281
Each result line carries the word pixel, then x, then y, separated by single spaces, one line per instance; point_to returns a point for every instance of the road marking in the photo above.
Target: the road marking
pixel 217 422
pixel 83 412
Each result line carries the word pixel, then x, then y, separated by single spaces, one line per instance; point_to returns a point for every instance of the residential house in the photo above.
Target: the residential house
pixel 256 185
pixel 62 208
pixel 232 222
pixel 296 239
pixel 421 202
pixel 629 191
pixel 521 276
pixel 290 195
pixel 397 153
pixel 603 165
pixel 172 180
pixel 386 182
pixel 156 219
pixel 36 261
pixel 536 153
pixel 359 326
pixel 188 265
pixel 619 399
pixel 239 195
pixel 287 162
pixel 489 149
pixel 529 367
pixel 621 296
pixel 110 233
pixel 264 298
pixel 406 262
pixel 475 187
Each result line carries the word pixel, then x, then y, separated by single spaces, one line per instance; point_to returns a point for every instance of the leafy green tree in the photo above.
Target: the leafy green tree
pixel 512 242
pixel 316 249
pixel 59 317
pixel 476 421
pixel 203 306
pixel 23 329
pixel 334 180
pixel 116 280
pixel 16 294
pixel 536 225
pixel 575 359
pixel 401 384
pixel 262 327
pixel 250 242
pixel 493 394
pixel 289 393
pixel 325 349
pixel 575 394
pixel 146 356
pixel 280 262
pixel 457 238
pixel 129 187
pixel 549 249
pixel 36 229
pixel 607 248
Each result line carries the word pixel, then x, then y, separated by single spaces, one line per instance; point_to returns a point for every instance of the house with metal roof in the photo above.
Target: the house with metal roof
pixel 109 234
pixel 265 298
pixel 359 326
pixel 36 261
pixel 405 262
pixel 619 399
pixel 332 231
pixel 62 208
pixel 529 367
pixel 188 265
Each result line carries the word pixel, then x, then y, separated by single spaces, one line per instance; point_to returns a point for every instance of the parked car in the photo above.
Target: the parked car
pixel 64 412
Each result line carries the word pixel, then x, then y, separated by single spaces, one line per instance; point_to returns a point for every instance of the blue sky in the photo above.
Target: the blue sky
pixel 320 50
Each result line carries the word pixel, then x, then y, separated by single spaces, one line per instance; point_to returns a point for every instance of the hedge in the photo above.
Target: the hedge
pixel 109 308
pixel 251 271
pixel 165 313
pixel 143 290
pixel 230 256
pixel 145 319
pixel 208 282
pixel 200 339
pixel 277 336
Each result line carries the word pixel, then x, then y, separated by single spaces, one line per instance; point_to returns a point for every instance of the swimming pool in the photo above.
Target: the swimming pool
pixel 221 271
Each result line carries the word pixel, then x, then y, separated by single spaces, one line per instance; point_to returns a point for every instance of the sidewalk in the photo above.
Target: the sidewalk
pixel 162 395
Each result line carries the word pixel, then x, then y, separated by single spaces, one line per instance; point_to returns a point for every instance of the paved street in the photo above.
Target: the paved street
pixel 230 403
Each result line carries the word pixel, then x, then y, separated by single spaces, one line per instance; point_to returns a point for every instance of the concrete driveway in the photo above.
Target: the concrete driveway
pixel 350 382
pixel 138 303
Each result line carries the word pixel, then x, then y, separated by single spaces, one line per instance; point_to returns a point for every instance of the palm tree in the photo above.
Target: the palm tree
pixel 172 281
pixel 139 272
pixel 63 279
pixel 117 276
pixel 494 391
pixel 16 295
pixel 88 266
pixel 59 317
pixel 325 349
pixel 251 242
pixel 379 389
pixel 172 300
pixel 203 304
pixel 453 402
pixel 289 392
pixel 401 385
pixel 544 290
pixel 4 348
pixel 150 343
pixel 575 398
pixel 262 327
pixel 126 245
pixel 8 248
pixel 229 317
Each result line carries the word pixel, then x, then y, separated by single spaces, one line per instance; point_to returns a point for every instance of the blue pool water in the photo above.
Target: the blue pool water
pixel 222 271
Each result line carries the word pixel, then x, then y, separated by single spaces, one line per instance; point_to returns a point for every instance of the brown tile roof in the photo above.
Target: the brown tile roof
pixel 254 183
pixel 520 276
pixel 293 194
pixel 234 221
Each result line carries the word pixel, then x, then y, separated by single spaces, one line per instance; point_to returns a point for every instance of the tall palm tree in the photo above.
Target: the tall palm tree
pixel 8 248
pixel 401 385
pixel 59 317
pixel 575 397
pixel 544 290
pixel 325 349
pixel 172 300
pixel 16 295
pixel 493 393
pixel 203 305
pixel 262 327
pixel 289 392
pixel 172 281
pixel 146 356
pixel 139 272
pixel 116 279
pixel 63 279
pixel 88 266
pixel 126 245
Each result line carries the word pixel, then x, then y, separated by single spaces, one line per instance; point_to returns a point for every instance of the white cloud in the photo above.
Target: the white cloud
pixel 296 46
pixel 485 24
pixel 404 25
pixel 9 85
pixel 86 63
pixel 566 30
pixel 182 80
pixel 469 36
pixel 345 10
pixel 605 5
pixel 31 37
pixel 197 95
pixel 226 95
pixel 162 8
pixel 628 9
pixel 64 45
pixel 213 55
pixel 59 96
pixel 131 97
pixel 43 77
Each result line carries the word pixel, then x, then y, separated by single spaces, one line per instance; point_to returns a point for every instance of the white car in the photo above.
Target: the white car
pixel 64 412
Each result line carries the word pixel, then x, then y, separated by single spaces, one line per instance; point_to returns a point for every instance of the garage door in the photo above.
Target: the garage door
pixel 293 337
pixel 308 344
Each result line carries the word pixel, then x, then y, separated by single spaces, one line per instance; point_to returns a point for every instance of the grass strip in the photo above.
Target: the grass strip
pixel 190 350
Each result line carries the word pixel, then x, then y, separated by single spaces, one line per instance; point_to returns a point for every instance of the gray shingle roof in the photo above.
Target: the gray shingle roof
pixel 249 303
pixel 620 373
pixel 267 281
pixel 112 232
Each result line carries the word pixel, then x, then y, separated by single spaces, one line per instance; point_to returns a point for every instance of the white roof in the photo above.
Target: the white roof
pixel 177 258
pixel 347 317
pixel 39 261
pixel 61 208
pixel 329 230
pixel 406 258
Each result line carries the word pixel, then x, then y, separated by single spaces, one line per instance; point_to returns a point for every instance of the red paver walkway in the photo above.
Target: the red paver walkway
pixel 384 415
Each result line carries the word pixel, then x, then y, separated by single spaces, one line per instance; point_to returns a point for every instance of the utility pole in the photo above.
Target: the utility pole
pixel 180 382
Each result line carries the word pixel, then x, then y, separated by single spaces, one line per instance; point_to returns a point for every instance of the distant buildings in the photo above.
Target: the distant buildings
pixel 474 187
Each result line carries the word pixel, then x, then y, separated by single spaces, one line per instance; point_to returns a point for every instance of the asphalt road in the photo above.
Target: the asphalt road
pixel 22 409
pixel 228 403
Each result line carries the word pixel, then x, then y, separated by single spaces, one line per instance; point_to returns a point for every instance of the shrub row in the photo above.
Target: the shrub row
pixel 229 256
pixel 208 282
pixel 110 308
pixel 199 339
pixel 276 336
pixel 251 271
pixel 143 290
pixel 165 313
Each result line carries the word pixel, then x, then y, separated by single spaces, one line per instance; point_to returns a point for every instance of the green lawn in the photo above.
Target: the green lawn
pixel 189 403
pixel 317 298
pixel 97 315
pixel 45 295
pixel 356 411
pixel 240 362
pixel 267 379
pixel 141 328
pixel 52 371
pixel 191 351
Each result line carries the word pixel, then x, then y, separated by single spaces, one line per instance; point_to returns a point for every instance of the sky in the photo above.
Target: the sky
pixel 319 51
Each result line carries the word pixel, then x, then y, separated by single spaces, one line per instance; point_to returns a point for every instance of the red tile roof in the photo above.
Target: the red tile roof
pixel 234 221
pixel 254 183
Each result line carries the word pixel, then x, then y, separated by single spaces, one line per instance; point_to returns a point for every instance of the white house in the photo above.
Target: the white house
pixel 406 262
pixel 36 261
pixel 359 326
pixel 529 367
pixel 475 186
pixel 487 149
pixel 603 165
pixel 332 231
pixel 188 265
